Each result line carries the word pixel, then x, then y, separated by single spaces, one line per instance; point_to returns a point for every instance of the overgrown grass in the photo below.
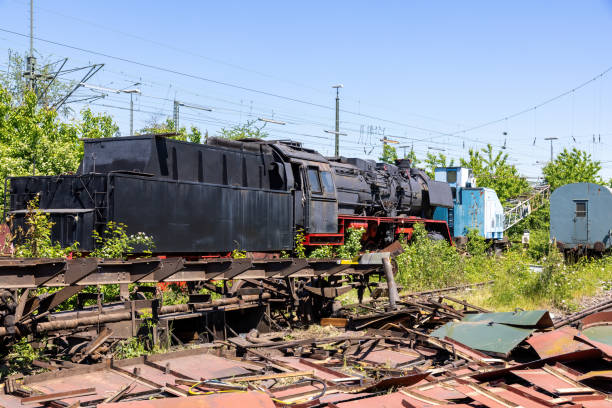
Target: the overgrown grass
pixel 427 264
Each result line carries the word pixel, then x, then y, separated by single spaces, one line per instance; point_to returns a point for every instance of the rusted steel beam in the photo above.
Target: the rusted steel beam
pixel 37 399
pixel 118 316
pixel 32 273
pixel 466 304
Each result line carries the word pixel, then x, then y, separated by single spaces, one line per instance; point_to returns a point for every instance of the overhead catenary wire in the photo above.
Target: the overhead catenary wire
pixel 359 114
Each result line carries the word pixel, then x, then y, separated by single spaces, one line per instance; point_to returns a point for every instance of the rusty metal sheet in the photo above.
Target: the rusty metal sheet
pixel 544 380
pixel 603 347
pixel 532 393
pixel 583 355
pixel 523 400
pixel 206 366
pixel 440 391
pixel 530 318
pixel 553 343
pixel 391 358
pixel 306 365
pixel 251 399
pixel 596 319
pixel 592 401
pixel 481 396
pixel 394 399
pixel 105 382
pixel 489 337
pixel 403 381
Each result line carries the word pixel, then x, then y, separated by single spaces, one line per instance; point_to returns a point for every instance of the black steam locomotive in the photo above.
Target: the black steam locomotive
pixel 213 198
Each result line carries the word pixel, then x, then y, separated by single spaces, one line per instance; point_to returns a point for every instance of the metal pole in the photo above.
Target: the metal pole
pixel 176 116
pixel 337 122
pixel 31 63
pixel 131 115
pixel 391 286
pixel 31 28
pixel 552 139
pixel 551 151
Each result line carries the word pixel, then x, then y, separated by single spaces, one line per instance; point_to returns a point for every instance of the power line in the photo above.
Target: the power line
pixel 535 107
pixel 223 83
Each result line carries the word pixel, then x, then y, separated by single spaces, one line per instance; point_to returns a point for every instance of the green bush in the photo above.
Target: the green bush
pixel 35 241
pixel 428 264
pixel 115 243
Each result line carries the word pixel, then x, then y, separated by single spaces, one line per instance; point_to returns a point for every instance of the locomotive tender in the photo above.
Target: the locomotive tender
pixel 212 198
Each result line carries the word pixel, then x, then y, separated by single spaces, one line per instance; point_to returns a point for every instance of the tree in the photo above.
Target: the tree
pixel 414 161
pixel 247 130
pixel 389 154
pixel 493 170
pixel 432 161
pixel 16 84
pixel 34 141
pixel 156 128
pixel 575 166
pixel 97 125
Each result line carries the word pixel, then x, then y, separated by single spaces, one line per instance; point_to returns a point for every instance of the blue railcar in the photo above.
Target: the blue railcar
pixel 581 217
pixel 475 208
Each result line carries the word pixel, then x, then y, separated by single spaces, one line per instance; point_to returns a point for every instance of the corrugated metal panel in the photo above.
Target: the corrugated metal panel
pixel 530 318
pixel 491 338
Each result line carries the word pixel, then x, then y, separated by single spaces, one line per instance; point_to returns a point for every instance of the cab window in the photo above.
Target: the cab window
pixel 313 180
pixel 328 182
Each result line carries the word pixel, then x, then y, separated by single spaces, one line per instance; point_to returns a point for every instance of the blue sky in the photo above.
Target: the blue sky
pixel 419 72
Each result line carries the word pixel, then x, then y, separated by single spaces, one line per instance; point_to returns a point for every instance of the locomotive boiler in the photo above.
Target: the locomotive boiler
pixel 252 195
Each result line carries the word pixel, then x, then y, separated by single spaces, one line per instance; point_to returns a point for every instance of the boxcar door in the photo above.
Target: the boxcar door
pixel 581 221
pixel 321 205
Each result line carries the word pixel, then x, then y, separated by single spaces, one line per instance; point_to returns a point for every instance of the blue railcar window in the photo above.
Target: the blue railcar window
pixel 313 179
pixel 451 176
pixel 581 208
pixel 328 183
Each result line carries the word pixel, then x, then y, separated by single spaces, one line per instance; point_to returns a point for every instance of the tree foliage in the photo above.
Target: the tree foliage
pixel 493 170
pixel 411 155
pixel 436 160
pixel 389 154
pixel 247 130
pixel 35 241
pixel 575 166
pixel 33 140
pixel 157 128
pixel 115 243
pixel 16 84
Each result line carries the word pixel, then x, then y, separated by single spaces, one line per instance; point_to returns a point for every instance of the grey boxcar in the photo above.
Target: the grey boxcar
pixel 581 217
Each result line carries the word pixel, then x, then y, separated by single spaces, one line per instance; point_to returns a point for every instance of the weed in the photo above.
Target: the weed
pixel 115 243
pixel 36 242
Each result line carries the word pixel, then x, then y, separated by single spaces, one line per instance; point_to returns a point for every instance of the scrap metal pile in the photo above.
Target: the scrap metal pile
pixel 432 349
pixel 221 297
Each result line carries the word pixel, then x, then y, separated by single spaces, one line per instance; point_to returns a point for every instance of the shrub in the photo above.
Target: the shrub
pixel 428 264
pixel 115 243
pixel 36 242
